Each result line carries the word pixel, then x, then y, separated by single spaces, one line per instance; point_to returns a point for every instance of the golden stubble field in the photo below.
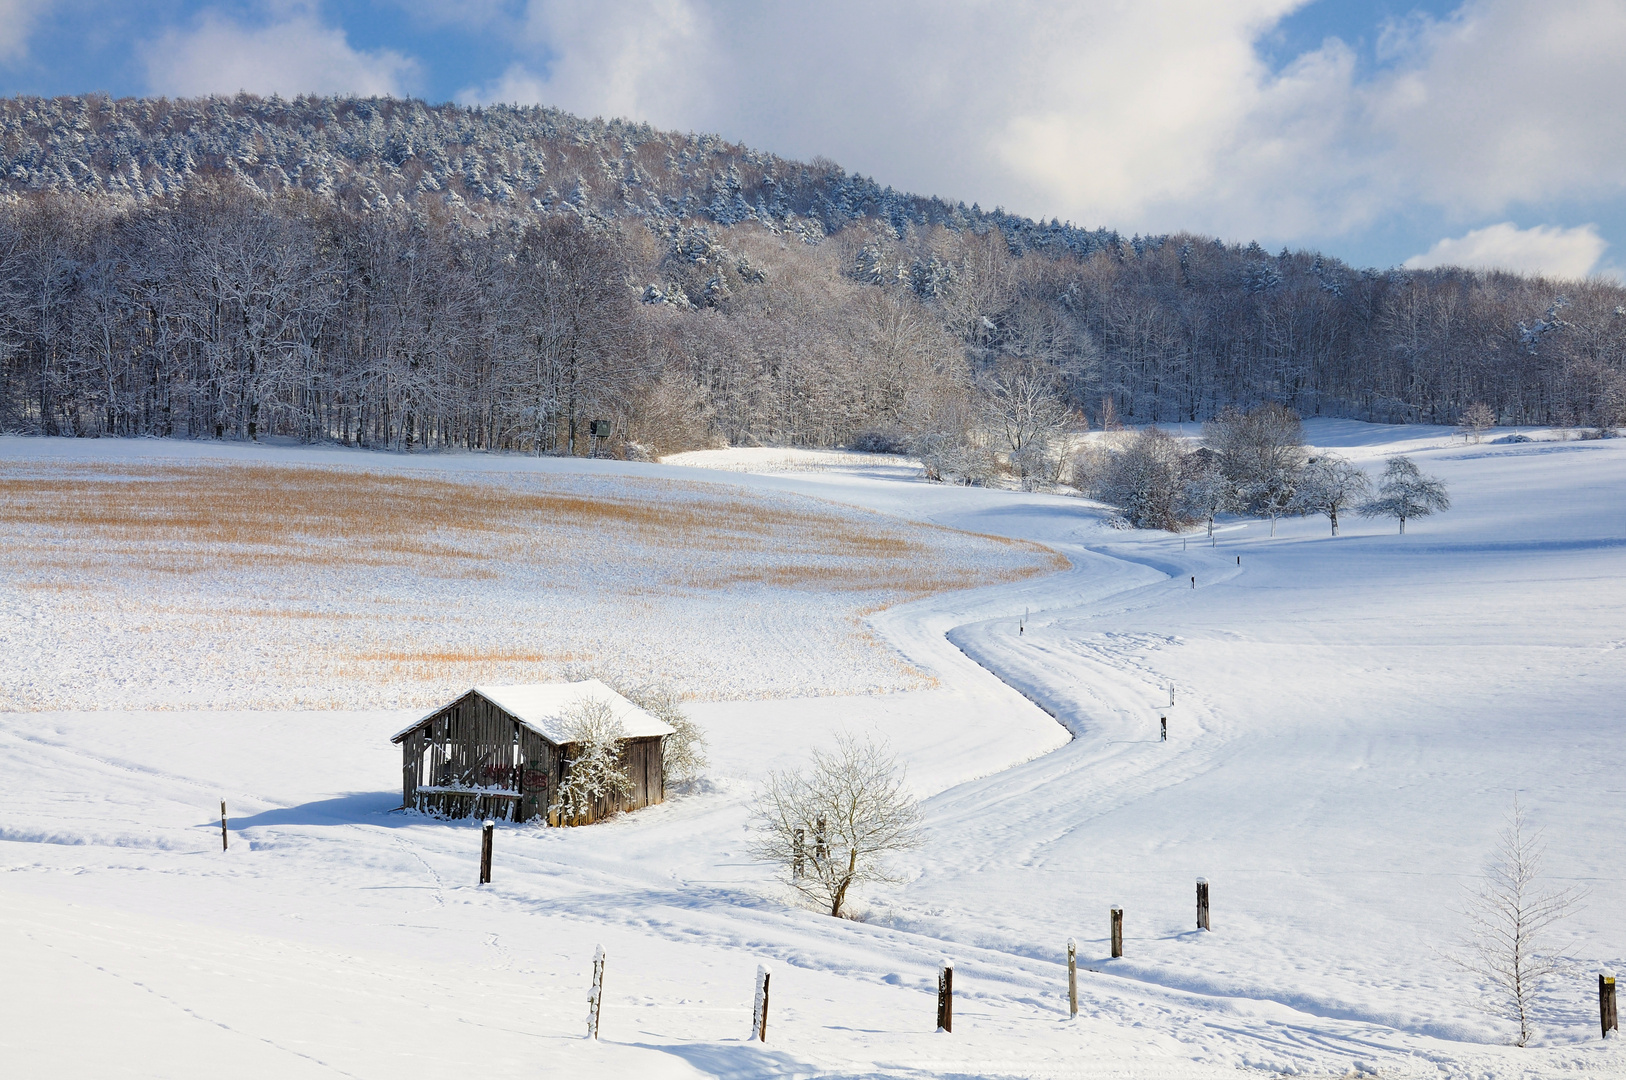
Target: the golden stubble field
pixel 282 586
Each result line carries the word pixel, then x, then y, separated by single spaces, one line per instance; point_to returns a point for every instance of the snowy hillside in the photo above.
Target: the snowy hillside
pixel 1351 719
pixel 495 163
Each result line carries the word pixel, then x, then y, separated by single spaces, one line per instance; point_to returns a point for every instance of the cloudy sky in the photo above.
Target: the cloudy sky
pixel 1489 133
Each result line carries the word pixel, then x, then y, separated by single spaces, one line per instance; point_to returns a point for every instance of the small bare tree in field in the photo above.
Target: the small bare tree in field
pixel 595 772
pixel 1330 485
pixel 1476 418
pixel 1404 492
pixel 830 826
pixel 1508 918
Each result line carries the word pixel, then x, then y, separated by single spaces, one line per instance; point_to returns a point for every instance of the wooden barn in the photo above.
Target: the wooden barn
pixel 502 752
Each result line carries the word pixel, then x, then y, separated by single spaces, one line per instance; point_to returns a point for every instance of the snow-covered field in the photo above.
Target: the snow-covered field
pixel 1351 719
pixel 162 575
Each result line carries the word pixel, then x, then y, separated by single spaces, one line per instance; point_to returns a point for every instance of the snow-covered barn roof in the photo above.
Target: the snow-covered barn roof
pixel 541 706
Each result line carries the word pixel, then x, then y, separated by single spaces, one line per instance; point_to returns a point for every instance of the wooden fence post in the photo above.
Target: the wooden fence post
pixel 595 997
pixel 759 1011
pixel 1072 979
pixel 1202 904
pixel 1117 932
pixel 945 997
pixel 821 851
pixel 1164 720
pixel 796 857
pixel 222 824
pixel 1606 1005
pixel 485 851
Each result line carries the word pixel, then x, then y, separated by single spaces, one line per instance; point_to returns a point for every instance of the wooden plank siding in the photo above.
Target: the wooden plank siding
pixel 474 759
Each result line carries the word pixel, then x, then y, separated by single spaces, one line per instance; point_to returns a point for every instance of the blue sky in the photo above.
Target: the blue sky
pixel 1485 132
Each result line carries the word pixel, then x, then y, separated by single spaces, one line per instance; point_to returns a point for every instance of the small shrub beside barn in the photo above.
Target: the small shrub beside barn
pixel 505 752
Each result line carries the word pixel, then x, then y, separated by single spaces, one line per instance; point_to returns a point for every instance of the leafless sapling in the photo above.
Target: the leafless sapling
pixel 853 798
pixel 1505 943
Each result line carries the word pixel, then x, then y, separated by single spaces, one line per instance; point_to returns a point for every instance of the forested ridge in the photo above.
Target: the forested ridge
pixel 389 273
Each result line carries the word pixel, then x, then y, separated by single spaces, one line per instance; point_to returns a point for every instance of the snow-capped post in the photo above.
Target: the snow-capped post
pixel 222 824
pixel 1117 932
pixel 595 997
pixel 1202 903
pixel 485 851
pixel 945 996
pixel 1164 720
pixel 1606 1004
pixel 796 856
pixel 1072 979
pixel 821 850
pixel 1171 695
pixel 759 1011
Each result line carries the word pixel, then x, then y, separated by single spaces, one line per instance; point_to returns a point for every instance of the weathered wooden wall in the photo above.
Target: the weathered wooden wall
pixel 473 759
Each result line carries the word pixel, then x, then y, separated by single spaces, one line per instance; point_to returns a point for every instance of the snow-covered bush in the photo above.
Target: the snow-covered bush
pixel 595 771
pixel 1404 492
pixel 1142 475
pixel 683 751
pixel 830 826
pixel 879 441
pixel 950 447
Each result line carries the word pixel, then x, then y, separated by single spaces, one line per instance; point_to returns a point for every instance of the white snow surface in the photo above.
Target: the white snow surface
pixel 541 707
pixel 1351 718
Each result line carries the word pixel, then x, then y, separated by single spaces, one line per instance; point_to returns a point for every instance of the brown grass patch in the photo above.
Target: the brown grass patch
pixel 190 519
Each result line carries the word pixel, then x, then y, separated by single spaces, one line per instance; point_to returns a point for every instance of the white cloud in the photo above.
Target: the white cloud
pixel 1544 249
pixel 297 54
pixel 1154 115
pixel 16 20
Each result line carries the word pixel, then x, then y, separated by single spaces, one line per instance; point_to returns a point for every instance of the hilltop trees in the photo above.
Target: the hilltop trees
pixel 393 274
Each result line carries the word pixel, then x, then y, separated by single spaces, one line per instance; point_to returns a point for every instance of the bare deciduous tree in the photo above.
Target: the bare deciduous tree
pixel 830 826
pixel 1476 418
pixel 1262 453
pixel 1024 410
pixel 1204 491
pixel 1506 943
pixel 1404 492
pixel 684 751
pixel 1330 485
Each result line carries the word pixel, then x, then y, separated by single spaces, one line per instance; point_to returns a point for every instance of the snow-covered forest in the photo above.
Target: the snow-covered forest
pixel 388 273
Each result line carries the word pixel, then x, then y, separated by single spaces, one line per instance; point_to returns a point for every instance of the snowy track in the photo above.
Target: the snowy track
pixel 1351 717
